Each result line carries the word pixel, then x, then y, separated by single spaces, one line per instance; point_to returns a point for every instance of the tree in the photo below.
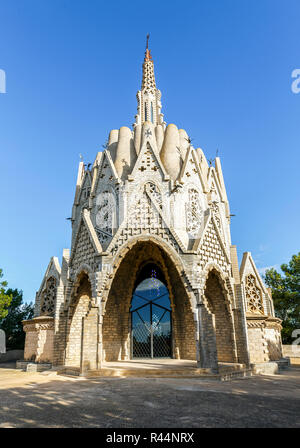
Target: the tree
pixel 5 298
pixel 12 323
pixel 286 296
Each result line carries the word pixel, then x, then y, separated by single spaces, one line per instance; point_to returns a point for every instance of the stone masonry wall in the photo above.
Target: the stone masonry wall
pixel 77 311
pixel 39 339
pixel 90 325
pixel 257 345
pixel 273 339
pixel 222 318
pixel 84 252
pixel 31 343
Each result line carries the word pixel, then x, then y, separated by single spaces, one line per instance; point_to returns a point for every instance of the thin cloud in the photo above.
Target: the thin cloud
pixel 262 271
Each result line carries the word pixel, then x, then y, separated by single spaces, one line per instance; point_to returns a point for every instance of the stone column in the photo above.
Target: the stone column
pixel 99 338
pixel 207 346
pixel 240 326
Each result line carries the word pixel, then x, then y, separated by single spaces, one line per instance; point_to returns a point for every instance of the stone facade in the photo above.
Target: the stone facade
pixel 39 339
pixel 152 199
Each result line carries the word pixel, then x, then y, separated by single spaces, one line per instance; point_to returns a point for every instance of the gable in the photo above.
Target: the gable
pixel 214 186
pixel 83 250
pixel 53 270
pixel 106 173
pixel 190 170
pixel 211 247
pixel 148 162
pixel 255 290
pixel 85 188
pixel 145 217
pixel 248 267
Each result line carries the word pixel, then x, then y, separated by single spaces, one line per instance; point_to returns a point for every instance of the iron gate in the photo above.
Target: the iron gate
pixel 151 326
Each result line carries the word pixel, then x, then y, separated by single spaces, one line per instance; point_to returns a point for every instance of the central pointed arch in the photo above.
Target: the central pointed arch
pixel 135 267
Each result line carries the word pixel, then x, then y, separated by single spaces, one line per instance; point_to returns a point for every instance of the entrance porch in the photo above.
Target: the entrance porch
pixel 161 368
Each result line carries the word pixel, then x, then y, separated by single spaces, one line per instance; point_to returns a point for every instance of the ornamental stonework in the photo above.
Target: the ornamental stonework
pixel 84 251
pixel 211 249
pixel 154 193
pixel 145 220
pixel 105 215
pixel 253 296
pixel 148 162
pixel 49 298
pixel 194 213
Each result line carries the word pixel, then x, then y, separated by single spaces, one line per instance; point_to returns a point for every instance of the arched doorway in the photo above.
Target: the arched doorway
pixel 79 313
pixel 222 318
pixel 151 320
pixel 118 318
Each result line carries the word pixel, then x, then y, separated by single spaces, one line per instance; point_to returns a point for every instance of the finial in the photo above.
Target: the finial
pixel 148 56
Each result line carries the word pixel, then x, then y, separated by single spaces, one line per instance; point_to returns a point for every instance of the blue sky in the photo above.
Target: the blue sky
pixel 73 68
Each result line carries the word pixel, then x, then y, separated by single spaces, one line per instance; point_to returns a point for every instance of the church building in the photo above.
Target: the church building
pixel 152 272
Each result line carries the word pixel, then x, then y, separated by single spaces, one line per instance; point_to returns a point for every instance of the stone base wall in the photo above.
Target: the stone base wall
pixel 39 339
pixel 292 351
pixel 273 339
pixel 112 332
pixel 257 345
pixel 264 338
pixel 74 332
pixel 184 329
pixel 90 340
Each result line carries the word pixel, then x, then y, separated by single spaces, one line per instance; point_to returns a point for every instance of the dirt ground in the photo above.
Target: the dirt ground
pixel 49 400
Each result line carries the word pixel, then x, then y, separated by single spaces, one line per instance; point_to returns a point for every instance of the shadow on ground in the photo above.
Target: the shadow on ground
pixel 154 403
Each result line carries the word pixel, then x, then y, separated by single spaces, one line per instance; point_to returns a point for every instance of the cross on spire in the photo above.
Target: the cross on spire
pixel 148 56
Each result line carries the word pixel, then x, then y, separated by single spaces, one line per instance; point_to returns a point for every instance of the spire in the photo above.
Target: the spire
pixel 148 82
pixel 149 104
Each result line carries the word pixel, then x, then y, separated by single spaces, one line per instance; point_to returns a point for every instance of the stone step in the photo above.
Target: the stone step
pixel 69 371
pixel 29 366
pixel 226 372
pixel 168 373
pixel 283 363
pixel 148 373
pixel 230 367
pixel 243 373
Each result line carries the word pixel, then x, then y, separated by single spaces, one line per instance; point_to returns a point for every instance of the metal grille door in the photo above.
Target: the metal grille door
pixel 151 321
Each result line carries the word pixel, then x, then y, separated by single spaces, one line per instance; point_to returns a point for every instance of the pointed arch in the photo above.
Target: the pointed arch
pixel 116 319
pixel 80 348
pixel 217 302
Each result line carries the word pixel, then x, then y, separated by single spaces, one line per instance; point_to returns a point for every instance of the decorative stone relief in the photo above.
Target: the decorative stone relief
pixel 194 213
pixel 154 192
pixel 84 250
pixel 216 213
pixel 145 215
pixel 145 219
pixel 105 215
pixel 253 296
pixel 148 162
pixel 211 249
pixel 49 297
